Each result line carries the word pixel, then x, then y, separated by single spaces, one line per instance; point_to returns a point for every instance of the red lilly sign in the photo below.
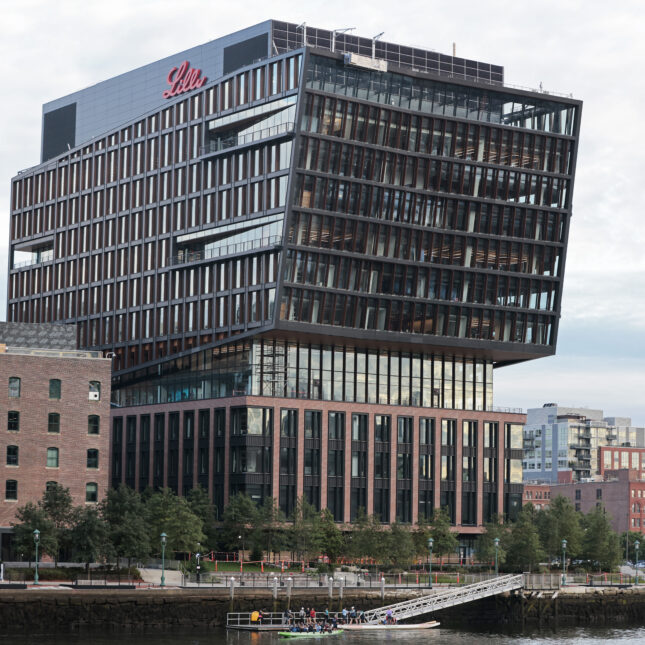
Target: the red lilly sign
pixel 183 79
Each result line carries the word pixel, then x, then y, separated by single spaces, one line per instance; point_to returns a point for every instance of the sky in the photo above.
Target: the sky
pixel 594 50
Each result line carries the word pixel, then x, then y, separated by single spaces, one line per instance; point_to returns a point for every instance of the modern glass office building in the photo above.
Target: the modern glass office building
pixel 306 251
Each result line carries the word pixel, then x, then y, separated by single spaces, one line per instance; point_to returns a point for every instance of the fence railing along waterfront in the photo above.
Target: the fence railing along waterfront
pixel 532 581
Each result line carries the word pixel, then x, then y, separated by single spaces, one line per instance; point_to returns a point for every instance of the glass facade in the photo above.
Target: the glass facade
pixel 319 372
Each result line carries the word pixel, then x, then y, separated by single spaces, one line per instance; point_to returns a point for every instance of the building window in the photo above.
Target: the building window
pixel 95 391
pixel 92 458
pixel 426 431
pixel 11 489
pixel 54 388
pixel 51 485
pixel 448 432
pixel 313 424
pixel 12 455
pixel 14 387
pixel 13 420
pixel 382 428
pixel 405 429
pixel 53 422
pixel 359 427
pixel 598 493
pixel 336 426
pixel 91 492
pixel 289 423
pixel 93 424
pixel 578 493
pixel 52 457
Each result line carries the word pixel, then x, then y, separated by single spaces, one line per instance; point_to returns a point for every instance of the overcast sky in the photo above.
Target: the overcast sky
pixel 592 49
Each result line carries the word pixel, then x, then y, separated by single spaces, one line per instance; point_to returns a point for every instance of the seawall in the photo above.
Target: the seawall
pixel 34 610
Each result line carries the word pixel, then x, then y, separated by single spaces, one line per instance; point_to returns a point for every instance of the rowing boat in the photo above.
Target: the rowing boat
pixel 388 628
pixel 308 634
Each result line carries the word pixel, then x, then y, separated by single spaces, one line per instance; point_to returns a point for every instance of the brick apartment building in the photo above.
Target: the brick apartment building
pixel 54 417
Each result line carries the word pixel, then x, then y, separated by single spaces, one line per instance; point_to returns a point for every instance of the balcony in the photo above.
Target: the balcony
pixel 248 246
pixel 235 139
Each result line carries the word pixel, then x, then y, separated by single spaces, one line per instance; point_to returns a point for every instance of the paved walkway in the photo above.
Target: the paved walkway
pixel 153 576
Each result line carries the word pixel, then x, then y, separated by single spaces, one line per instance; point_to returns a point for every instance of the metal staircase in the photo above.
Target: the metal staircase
pixel 434 602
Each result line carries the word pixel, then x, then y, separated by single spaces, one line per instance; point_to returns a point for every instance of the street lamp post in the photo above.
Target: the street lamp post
pixel 36 542
pixel 496 541
pixel 164 538
pixel 637 546
pixel 430 544
pixel 564 562
pixel 197 556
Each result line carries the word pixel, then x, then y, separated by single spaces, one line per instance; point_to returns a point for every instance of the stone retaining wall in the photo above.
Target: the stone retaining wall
pixel 67 610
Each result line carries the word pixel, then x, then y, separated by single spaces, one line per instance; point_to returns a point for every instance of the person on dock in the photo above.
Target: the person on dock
pixel 344 615
pixel 326 616
pixel 312 616
pixel 287 616
pixel 352 616
pixel 301 614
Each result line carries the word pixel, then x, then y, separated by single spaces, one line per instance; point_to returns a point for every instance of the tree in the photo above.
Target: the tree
pixel 269 534
pixel 627 540
pixel 420 536
pixel 169 514
pixel 239 520
pixel 305 532
pixel 445 541
pixel 521 544
pixel 332 541
pixel 600 544
pixel 201 505
pixel 89 536
pixel 485 543
pixel 57 504
pixel 400 546
pixel 366 538
pixel 124 512
pixel 560 521
pixel 31 517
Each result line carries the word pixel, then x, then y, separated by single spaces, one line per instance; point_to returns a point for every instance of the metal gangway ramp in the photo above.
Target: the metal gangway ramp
pixel 429 603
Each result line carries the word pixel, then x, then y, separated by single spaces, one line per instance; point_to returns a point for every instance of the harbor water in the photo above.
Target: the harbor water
pixel 443 636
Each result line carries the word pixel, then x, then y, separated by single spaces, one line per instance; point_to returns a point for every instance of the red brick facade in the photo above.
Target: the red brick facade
pixel 348 408
pixel 75 370
pixel 537 494
pixel 621 493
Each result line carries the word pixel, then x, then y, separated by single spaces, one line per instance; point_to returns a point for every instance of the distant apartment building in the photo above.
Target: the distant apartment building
pixel 620 492
pixel 562 443
pixel 54 417
pixel 622 457
pixel 538 494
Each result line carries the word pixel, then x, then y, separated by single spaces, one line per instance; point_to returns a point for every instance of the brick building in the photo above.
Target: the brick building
pixel 538 494
pixel 308 251
pixel 621 492
pixel 54 415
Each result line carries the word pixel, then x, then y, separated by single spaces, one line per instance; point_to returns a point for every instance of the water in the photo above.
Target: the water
pixel 568 635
